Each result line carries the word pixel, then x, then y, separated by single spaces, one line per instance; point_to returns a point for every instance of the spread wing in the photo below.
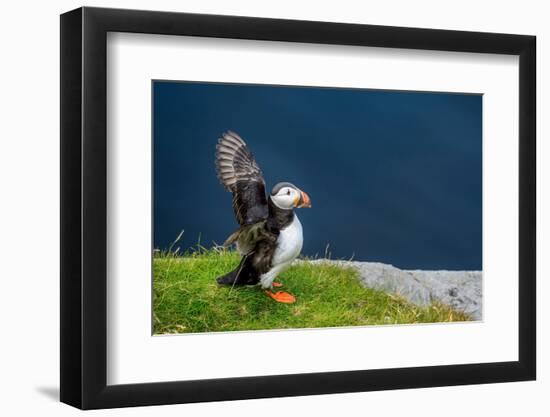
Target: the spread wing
pixel 240 174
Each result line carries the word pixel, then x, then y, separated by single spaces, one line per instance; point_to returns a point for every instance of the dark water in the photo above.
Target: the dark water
pixel 394 177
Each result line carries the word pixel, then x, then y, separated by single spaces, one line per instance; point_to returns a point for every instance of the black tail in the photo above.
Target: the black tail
pixel 244 274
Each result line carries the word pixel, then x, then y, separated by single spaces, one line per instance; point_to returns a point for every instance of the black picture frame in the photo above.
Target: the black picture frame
pixel 84 207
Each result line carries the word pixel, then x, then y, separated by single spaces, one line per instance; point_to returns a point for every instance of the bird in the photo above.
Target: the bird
pixel 270 235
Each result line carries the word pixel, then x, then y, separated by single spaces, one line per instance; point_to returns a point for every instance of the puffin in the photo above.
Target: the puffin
pixel 270 236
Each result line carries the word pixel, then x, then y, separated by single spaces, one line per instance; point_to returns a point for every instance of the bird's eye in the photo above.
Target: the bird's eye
pixel 287 192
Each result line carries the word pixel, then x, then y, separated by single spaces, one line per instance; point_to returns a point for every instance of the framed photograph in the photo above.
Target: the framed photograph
pixel 257 208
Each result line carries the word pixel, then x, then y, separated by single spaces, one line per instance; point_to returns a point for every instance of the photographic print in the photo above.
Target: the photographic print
pixel 340 185
pixel 292 207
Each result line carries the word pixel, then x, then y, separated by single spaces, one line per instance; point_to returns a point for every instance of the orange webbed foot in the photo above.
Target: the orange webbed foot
pixel 281 297
pixel 276 284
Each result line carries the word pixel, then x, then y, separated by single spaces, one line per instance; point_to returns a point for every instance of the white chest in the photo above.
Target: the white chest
pixel 289 243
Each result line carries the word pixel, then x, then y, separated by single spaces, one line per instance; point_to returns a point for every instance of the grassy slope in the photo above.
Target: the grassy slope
pixel 187 299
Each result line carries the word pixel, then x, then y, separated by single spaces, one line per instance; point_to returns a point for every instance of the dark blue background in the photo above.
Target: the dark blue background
pixel 394 177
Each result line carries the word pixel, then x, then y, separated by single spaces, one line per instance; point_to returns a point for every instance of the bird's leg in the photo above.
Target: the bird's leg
pixel 281 296
pixel 276 284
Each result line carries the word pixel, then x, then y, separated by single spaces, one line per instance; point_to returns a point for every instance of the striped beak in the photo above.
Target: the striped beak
pixel 304 200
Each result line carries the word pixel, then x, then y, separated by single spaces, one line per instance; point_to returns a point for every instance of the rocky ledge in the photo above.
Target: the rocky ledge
pixel 462 290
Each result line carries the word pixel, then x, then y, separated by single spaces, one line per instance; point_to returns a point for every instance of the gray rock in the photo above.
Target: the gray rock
pixel 461 290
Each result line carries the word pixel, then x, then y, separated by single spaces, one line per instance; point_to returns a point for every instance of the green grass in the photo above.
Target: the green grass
pixel 187 298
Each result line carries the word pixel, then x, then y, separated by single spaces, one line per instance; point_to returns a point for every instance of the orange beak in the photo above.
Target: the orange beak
pixel 304 200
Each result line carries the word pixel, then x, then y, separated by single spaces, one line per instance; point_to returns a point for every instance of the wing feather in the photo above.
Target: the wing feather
pixel 239 173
